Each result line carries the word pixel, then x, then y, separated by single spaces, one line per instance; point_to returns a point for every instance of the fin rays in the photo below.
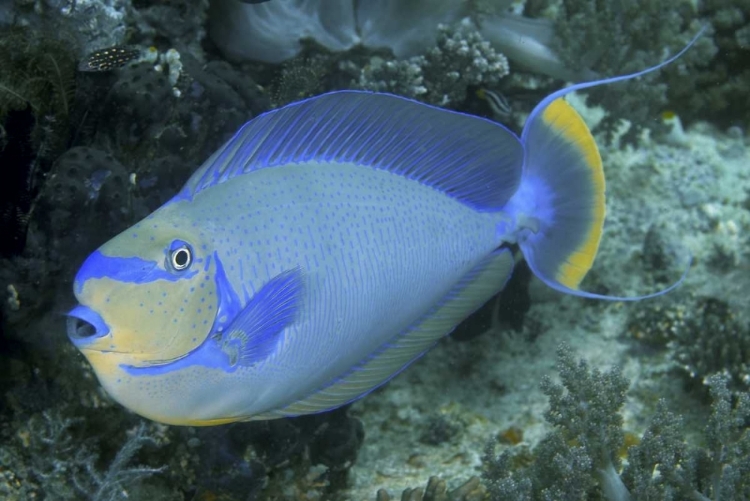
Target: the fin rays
pixel 472 159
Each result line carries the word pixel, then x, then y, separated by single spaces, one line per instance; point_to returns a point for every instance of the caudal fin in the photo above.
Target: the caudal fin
pixel 561 200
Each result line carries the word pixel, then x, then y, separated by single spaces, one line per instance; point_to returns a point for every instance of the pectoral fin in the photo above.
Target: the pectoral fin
pixel 256 331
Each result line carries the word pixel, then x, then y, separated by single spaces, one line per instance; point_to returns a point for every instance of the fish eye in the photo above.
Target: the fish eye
pixel 180 256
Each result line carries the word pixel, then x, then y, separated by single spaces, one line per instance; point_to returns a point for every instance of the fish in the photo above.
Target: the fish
pixel 111 58
pixel 499 104
pixel 328 245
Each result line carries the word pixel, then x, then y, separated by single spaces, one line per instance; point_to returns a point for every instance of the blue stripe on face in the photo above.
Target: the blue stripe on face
pixel 132 270
pixel 229 302
pixel 209 354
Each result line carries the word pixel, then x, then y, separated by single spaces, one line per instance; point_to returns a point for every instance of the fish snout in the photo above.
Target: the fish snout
pixel 85 326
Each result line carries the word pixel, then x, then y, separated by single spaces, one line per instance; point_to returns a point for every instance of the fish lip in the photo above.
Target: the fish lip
pixel 85 326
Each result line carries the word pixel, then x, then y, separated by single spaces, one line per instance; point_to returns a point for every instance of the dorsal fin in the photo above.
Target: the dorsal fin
pixel 469 158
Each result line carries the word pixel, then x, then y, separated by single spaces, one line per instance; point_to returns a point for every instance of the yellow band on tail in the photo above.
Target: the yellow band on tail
pixel 563 118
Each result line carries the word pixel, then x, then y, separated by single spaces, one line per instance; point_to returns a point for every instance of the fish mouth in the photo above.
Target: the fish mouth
pixel 85 326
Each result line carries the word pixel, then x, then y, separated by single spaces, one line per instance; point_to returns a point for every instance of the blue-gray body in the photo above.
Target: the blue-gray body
pixel 326 246
pixel 378 252
pixel 322 261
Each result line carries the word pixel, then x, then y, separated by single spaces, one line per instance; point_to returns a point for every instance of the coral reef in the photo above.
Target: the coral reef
pixel 580 458
pixel 92 24
pixel 37 89
pixel 51 461
pixel 153 22
pixel 612 38
pixel 717 90
pixel 704 336
pixel 460 59
pixel 443 75
pixel 574 41
pixel 436 490
pixel 615 38
pixel 716 471
pixel 580 454
pixel 86 153
pixel 273 32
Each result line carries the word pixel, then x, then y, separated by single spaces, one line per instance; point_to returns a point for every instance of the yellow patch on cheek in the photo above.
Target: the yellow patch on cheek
pixel 105 364
pixel 153 322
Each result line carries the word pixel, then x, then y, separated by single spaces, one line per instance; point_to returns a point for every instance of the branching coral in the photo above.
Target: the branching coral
pixel 52 459
pixel 579 459
pixel 615 38
pixel 441 76
pixel 720 90
pixel 581 453
pixel 662 466
pixel 705 336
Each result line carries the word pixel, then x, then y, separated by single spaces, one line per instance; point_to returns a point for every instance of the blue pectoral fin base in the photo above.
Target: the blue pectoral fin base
pixel 561 198
pixel 256 331
pixel 472 159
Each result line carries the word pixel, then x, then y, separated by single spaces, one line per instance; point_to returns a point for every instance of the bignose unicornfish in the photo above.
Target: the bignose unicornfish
pixel 328 245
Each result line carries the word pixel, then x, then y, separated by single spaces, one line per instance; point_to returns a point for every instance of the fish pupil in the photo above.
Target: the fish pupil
pixel 181 258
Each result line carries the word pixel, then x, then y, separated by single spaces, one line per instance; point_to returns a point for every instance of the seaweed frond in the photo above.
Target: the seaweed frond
pixel 37 70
